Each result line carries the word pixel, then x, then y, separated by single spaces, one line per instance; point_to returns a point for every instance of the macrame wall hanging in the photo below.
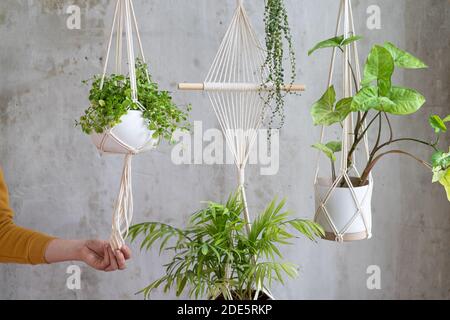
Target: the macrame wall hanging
pixel 341 208
pixel 131 136
pixel 235 86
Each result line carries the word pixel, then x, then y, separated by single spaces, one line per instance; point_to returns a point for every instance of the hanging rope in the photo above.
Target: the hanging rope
pixel 124 20
pixel 235 88
pixel 350 54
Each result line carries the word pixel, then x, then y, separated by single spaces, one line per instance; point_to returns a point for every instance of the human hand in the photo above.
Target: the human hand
pixel 97 254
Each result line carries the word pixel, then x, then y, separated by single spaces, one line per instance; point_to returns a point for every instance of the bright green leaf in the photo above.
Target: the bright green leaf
pixel 323 111
pixel 407 101
pixel 404 59
pixel 379 67
pixel 446 119
pixel 326 150
pixel 437 124
pixel 445 181
pixel 368 98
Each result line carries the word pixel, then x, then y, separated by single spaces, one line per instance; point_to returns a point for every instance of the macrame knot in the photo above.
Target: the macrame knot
pixel 339 238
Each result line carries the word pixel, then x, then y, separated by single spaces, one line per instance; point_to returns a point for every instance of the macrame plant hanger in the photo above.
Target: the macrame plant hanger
pixel 350 55
pixel 236 89
pixel 124 21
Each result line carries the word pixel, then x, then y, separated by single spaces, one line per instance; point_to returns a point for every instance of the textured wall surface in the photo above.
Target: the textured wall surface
pixel 60 185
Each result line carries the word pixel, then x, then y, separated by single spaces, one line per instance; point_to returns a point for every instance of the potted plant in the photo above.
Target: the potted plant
pixel 215 258
pixel 371 107
pixel 135 123
pixel 277 37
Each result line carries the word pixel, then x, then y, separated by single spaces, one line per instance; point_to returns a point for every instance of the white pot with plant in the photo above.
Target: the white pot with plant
pixel 119 124
pixel 128 114
pixel 343 201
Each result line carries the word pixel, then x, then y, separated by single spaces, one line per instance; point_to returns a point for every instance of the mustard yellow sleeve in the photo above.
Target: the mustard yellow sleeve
pixel 18 245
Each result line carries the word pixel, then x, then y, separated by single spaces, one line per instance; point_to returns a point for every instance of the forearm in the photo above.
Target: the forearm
pixel 59 250
pixel 20 245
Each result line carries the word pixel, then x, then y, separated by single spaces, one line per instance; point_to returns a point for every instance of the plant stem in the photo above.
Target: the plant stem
pixel 408 139
pixel 372 164
pixel 333 171
pixel 359 137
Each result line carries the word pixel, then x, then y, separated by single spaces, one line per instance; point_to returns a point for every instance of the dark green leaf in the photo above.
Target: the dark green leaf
pixel 329 43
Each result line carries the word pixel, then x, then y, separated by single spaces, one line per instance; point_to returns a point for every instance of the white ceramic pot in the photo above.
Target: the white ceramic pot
pixel 342 207
pixel 132 132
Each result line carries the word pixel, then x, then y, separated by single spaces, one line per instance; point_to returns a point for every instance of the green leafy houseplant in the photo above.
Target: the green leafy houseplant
pixel 214 257
pixel 109 103
pixel 440 159
pixel 376 101
pixel 278 33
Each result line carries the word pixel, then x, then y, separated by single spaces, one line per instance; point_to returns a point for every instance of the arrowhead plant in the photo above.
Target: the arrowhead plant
pixel 375 101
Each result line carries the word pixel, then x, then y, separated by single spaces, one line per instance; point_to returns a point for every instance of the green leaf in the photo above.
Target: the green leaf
pixel 343 107
pixel 335 146
pixel 334 42
pixel 437 124
pixel 326 150
pixel 437 157
pixel 101 103
pixel 403 59
pixel 350 40
pixel 445 182
pixel 323 112
pixel 205 249
pixel 407 101
pixel 379 67
pixel 440 160
pixel 446 119
pixel 329 43
pixel 368 98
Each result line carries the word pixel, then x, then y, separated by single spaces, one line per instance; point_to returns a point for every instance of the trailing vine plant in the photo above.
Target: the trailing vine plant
pixel 109 103
pixel 277 35
pixel 374 104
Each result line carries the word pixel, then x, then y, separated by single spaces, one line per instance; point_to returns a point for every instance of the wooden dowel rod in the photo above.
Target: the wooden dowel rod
pixel 191 86
pixel 237 87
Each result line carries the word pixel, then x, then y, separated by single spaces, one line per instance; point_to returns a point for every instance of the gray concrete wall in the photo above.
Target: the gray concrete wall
pixel 60 185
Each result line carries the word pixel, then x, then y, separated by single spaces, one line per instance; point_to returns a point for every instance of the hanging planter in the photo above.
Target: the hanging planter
pixel 128 114
pixel 131 133
pixel 346 214
pixel 118 123
pixel 343 202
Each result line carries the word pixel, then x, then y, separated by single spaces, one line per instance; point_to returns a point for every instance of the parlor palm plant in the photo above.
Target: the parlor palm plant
pixel 215 258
